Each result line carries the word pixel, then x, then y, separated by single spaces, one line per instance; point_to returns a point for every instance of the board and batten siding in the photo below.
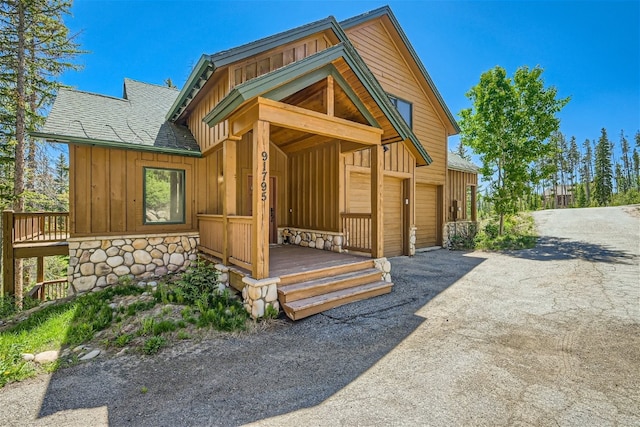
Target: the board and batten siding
pixel 457 183
pixel 314 188
pixel 105 190
pixel 221 84
pixel 380 53
pixel 277 168
pixel 396 159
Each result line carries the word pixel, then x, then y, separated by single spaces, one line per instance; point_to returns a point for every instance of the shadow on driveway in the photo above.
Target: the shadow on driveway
pixel 241 379
pixel 558 249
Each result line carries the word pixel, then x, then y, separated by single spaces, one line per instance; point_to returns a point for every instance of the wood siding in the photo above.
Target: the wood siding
pixel 457 183
pixel 209 183
pixel 314 188
pixel 277 168
pixel 212 93
pixel 393 227
pixel 383 58
pixel 426 215
pixel 396 159
pixel 105 190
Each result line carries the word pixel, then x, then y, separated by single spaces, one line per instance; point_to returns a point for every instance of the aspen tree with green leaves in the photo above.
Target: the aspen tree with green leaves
pixel 508 126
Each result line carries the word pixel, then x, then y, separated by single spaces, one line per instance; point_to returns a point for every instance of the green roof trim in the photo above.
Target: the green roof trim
pixel 113 144
pixel 309 70
pixel 286 81
pixel 208 64
pixel 386 10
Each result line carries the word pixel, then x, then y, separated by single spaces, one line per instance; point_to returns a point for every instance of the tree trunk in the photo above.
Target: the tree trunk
pixel 18 189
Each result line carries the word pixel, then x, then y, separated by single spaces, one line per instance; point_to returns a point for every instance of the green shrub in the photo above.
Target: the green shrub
pixel 153 345
pixel 163 326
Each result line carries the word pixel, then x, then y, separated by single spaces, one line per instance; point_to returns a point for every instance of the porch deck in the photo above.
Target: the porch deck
pixel 285 260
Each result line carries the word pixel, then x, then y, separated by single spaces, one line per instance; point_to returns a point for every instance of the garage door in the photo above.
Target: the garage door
pixel 393 226
pixel 426 215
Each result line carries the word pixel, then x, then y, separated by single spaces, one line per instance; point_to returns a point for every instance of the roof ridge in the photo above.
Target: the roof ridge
pixel 68 89
pixel 175 89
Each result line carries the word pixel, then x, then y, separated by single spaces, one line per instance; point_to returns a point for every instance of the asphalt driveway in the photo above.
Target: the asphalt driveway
pixel 547 336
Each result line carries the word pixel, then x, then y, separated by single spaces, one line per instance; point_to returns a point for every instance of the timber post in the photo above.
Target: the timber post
pixel 229 178
pixel 8 276
pixel 377 189
pixel 260 202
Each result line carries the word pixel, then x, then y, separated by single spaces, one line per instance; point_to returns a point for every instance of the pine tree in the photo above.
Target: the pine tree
pixel 587 173
pixel 603 170
pixel 573 160
pixel 35 49
pixel 461 151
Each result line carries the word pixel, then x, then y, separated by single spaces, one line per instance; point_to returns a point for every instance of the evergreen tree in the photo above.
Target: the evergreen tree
pixel 603 186
pixel 587 171
pixel 573 160
pixel 626 162
pixel 35 49
pixel 461 151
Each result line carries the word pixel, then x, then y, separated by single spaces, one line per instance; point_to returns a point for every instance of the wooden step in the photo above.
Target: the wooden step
pixel 324 285
pixel 300 309
pixel 304 276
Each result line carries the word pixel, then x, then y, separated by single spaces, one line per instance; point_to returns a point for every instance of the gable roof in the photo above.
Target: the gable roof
pixel 208 64
pixel 280 83
pixel 385 11
pixel 134 121
pixel 455 162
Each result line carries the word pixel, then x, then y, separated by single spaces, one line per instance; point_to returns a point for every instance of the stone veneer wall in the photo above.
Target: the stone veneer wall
pixel 260 294
pixel 384 266
pixel 97 262
pixel 463 230
pixel 328 241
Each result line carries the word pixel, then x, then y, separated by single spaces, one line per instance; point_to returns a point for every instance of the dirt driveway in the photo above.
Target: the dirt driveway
pixel 547 336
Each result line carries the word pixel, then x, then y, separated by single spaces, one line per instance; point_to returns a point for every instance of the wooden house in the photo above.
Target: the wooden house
pixel 330 136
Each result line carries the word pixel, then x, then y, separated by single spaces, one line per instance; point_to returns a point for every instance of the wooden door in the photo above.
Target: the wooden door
pixel 394 227
pixel 273 222
pixel 426 215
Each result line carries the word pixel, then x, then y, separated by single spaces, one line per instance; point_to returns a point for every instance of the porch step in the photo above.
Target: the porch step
pixel 308 306
pixel 318 273
pixel 327 284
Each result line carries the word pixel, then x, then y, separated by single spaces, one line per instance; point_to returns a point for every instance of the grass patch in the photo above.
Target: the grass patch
pixel 122 321
pixel 519 233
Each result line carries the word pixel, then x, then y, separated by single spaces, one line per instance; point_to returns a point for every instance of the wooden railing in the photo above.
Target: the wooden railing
pixel 49 290
pixel 31 235
pixel 240 239
pixel 211 229
pixel 40 226
pixel 357 232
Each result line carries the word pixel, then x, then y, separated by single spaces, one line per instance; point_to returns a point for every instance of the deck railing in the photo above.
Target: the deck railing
pixel 211 229
pixel 49 290
pixel 357 232
pixel 211 234
pixel 31 235
pixel 240 239
pixel 40 226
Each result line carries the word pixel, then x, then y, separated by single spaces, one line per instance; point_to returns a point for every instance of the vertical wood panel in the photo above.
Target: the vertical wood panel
pixel 118 190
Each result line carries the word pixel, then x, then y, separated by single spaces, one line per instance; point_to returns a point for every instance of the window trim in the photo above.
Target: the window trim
pixel 394 101
pixel 144 197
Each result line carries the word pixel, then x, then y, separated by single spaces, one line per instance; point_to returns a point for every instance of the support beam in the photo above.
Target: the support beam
pixel 377 190
pixel 260 202
pixel 330 96
pixel 40 270
pixel 229 190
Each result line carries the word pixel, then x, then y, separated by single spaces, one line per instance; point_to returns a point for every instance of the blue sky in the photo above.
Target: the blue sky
pixel 589 50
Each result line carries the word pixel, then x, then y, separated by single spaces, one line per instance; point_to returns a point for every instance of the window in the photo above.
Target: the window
pixel 404 108
pixel 163 196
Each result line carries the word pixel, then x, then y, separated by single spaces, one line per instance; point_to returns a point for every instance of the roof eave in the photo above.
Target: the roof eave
pixel 51 137
pixel 200 74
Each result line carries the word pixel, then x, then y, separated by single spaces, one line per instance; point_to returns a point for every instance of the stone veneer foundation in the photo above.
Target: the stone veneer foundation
pixel 97 262
pixel 328 241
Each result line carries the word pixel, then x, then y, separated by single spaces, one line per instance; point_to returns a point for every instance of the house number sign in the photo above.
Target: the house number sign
pixel 263 184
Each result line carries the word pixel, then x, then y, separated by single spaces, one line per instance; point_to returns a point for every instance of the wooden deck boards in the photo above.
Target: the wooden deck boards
pixel 296 259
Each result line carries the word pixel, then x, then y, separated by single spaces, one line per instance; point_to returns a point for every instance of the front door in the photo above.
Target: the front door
pixel 273 224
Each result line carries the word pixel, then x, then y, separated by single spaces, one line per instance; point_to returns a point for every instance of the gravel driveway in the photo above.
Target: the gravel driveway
pixel 547 336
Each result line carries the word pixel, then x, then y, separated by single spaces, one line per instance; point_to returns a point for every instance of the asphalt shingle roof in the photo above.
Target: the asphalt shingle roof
pixel 458 163
pixel 137 119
